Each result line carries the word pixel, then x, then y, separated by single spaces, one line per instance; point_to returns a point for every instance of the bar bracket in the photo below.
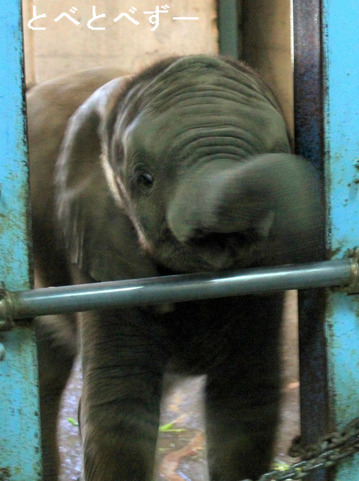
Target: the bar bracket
pixel 353 287
pixel 6 319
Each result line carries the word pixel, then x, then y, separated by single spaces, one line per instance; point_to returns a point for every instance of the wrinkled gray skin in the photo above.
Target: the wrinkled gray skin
pixel 182 168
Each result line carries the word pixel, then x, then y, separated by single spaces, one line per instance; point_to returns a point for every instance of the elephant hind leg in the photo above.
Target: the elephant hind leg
pixel 57 346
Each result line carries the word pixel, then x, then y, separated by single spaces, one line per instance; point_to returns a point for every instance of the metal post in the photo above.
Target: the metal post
pixel 228 20
pixel 308 116
pixel 20 457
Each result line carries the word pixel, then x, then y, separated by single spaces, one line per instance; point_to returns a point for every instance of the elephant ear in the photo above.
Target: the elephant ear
pixel 99 236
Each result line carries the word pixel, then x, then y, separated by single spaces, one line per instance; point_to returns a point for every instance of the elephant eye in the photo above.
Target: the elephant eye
pixel 144 179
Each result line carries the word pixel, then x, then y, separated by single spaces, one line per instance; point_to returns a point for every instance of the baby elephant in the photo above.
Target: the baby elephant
pixel 184 167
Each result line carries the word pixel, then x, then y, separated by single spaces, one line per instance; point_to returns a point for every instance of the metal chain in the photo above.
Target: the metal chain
pixel 327 452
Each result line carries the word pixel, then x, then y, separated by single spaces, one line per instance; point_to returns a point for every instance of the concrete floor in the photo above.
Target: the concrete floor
pixel 181 454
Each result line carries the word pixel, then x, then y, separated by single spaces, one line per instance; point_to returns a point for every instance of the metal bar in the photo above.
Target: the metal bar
pixel 150 291
pixel 228 20
pixel 308 116
pixel 341 126
pixel 20 457
pixel 308 96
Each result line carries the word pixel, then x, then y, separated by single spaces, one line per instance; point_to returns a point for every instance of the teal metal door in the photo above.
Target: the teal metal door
pixel 341 143
pixel 20 456
pixel 327 132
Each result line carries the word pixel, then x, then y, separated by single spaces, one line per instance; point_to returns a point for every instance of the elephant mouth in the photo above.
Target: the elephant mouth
pixel 212 251
pixel 223 241
pixel 228 250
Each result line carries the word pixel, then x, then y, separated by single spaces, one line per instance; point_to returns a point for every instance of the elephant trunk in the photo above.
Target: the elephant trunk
pixel 271 200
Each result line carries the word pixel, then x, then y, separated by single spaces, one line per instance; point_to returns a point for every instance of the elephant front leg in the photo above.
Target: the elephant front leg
pixel 120 405
pixel 240 434
pixel 242 396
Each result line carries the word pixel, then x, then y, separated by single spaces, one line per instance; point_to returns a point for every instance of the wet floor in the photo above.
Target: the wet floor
pixel 181 447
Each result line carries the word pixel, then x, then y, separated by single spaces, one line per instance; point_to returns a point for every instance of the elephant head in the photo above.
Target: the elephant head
pixel 185 167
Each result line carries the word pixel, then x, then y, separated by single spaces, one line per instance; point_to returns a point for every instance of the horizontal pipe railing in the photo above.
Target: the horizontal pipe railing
pixel 178 288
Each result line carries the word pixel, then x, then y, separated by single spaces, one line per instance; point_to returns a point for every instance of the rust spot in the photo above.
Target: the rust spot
pixel 330 253
pixel 5 474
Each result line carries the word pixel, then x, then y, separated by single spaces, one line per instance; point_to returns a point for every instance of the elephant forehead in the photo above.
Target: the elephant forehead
pixel 198 75
pixel 211 123
pixel 199 99
pixel 207 89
